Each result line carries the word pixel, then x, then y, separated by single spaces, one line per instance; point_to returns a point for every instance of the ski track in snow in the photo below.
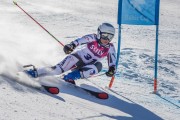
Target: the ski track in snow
pixel 23 42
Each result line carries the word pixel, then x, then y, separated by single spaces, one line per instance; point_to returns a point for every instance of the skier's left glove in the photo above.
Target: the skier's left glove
pixel 111 71
pixel 69 48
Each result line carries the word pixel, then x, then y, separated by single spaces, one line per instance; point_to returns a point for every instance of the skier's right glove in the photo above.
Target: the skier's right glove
pixel 111 71
pixel 69 48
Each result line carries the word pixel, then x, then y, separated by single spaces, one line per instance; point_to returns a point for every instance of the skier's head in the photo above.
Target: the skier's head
pixel 105 32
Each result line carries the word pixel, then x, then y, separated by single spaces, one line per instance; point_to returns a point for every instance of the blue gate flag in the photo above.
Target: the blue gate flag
pixel 138 12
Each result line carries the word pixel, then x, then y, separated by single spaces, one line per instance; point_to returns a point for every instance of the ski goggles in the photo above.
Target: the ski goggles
pixel 107 36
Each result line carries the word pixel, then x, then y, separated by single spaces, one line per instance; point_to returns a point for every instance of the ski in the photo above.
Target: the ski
pixel 99 95
pixel 40 87
pixel 49 89
pixel 55 90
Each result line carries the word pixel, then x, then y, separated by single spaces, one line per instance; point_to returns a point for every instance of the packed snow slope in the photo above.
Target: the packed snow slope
pixel 23 42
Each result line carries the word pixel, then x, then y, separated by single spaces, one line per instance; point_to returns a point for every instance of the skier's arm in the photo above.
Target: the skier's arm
pixel 111 62
pixel 85 39
pixel 80 41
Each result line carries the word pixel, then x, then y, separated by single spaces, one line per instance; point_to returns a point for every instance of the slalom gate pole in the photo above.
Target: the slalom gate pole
pixel 156 45
pixel 119 39
pixel 111 81
pixel 38 23
pixel 118 56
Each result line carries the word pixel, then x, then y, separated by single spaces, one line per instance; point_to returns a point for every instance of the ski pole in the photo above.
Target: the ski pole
pixel 38 23
pixel 99 75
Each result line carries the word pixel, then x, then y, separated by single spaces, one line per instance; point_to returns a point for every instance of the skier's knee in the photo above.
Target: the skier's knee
pixel 98 66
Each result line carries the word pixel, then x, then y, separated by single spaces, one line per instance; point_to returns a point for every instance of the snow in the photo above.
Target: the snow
pixel 23 42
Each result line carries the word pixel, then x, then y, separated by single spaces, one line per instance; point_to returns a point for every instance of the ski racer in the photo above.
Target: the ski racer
pixel 85 62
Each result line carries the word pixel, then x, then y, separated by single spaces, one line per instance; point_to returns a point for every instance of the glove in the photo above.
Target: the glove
pixel 111 71
pixel 69 48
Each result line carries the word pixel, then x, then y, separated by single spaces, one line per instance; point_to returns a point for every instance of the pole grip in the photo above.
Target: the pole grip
pixel 15 2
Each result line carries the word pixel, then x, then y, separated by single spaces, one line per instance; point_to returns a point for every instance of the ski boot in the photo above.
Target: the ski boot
pixel 70 77
pixel 31 72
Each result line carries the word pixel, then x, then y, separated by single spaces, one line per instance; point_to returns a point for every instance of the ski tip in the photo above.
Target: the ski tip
pixel 52 90
pixel 103 95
